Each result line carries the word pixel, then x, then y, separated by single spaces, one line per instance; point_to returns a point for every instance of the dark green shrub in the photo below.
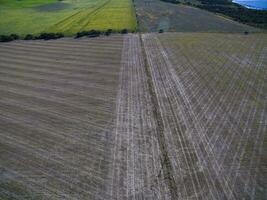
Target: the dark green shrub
pixel 94 33
pixel 28 37
pixel 49 36
pixel 108 32
pixel 124 31
pixel 59 35
pixel 91 33
pixel 81 34
pixel 8 38
pixel 14 36
pixel 5 38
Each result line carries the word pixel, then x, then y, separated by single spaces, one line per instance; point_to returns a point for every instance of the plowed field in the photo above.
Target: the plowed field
pixel 151 116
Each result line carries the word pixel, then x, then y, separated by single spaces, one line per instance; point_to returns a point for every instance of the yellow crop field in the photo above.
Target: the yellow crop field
pixel 67 16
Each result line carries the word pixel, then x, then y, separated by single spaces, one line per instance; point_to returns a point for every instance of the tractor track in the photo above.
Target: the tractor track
pixel 165 160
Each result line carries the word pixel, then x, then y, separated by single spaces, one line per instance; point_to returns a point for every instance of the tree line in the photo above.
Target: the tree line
pixel 53 36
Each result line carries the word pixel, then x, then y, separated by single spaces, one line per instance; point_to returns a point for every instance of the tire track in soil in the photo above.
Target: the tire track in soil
pixel 165 160
pixel 137 158
pixel 187 171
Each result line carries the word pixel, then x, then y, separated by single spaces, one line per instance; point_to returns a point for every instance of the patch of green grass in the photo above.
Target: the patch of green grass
pixel 30 17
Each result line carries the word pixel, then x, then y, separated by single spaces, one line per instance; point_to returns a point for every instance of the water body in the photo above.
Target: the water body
pixel 253 4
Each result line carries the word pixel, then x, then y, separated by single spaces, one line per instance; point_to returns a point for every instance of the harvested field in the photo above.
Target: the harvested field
pixel 151 116
pixel 153 15
pixel 57 107
pixel 211 91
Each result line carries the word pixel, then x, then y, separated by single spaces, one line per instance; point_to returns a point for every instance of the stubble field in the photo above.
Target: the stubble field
pixel 150 116
pixel 57 113
pixel 211 91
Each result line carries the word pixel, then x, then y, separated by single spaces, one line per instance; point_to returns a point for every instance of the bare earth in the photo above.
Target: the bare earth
pixel 151 116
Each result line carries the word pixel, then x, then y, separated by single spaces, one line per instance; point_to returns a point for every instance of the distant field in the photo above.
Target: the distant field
pixel 153 15
pixel 67 16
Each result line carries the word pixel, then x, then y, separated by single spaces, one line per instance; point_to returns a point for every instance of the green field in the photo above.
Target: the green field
pixel 66 16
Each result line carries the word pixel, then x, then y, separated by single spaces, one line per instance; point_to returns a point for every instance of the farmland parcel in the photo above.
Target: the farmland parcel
pixel 154 15
pixel 152 116
pixel 67 16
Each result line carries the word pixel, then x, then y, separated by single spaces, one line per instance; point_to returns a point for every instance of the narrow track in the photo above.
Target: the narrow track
pixel 137 171
pixel 165 160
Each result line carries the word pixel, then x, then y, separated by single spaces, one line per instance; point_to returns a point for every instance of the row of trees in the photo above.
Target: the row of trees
pixel 95 33
pixel 8 38
pixel 53 36
pixel 42 36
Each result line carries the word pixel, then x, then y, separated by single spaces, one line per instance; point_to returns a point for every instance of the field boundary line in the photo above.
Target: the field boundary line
pixel 165 160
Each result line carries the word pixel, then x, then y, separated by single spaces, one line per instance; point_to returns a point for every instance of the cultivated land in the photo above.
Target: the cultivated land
pixel 211 92
pixel 153 15
pixel 150 116
pixel 67 16
pixel 57 107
